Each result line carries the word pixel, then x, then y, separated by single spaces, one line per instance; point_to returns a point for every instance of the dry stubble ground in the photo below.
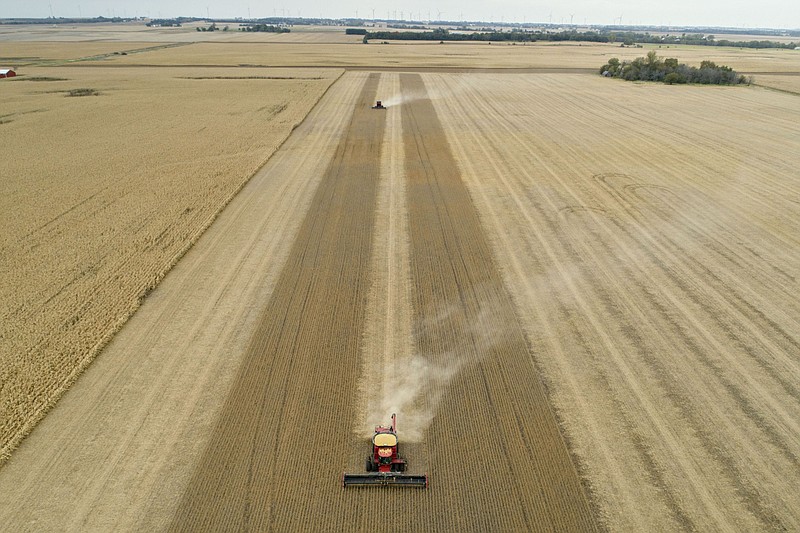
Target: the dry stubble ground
pixel 669 288
pixel 495 451
pixel 454 55
pixel 653 256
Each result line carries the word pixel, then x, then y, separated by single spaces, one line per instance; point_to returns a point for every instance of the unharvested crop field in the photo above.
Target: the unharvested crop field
pixel 579 295
pixel 103 195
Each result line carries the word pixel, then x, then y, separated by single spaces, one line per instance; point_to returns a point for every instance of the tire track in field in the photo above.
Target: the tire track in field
pixel 606 269
pixel 743 322
pixel 565 322
pixel 282 419
pixel 512 467
pixel 726 295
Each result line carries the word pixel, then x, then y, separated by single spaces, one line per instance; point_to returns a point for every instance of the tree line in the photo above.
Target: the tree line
pixel 269 28
pixel 653 68
pixel 518 35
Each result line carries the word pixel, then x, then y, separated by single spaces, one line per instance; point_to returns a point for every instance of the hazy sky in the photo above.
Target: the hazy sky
pixel 732 13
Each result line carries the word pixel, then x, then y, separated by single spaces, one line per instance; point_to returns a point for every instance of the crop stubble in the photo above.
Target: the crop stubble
pixel 387 347
pixel 494 444
pixel 495 451
pixel 656 273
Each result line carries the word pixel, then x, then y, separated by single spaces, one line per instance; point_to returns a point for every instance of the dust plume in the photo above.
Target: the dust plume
pixel 430 93
pixel 413 385
pixel 400 98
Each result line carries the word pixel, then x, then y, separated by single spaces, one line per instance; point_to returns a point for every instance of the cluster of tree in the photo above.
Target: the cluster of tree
pixel 164 22
pixel 519 35
pixel 406 26
pixel 268 28
pixel 440 34
pixel 213 27
pixel 698 39
pixel 355 31
pixel 653 68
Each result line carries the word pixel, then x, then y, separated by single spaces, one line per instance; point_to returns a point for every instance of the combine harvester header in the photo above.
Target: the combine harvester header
pixel 384 465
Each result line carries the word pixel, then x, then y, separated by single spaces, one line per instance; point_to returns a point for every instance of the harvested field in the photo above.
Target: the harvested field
pixel 303 361
pixel 127 183
pixel 655 270
pixel 33 53
pixel 789 83
pixel 454 55
pixel 79 35
pixel 578 294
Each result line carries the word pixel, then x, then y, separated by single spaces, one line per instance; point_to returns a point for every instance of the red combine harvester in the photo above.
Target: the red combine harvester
pixel 384 466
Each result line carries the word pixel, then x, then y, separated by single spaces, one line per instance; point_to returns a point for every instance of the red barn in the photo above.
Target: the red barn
pixel 7 73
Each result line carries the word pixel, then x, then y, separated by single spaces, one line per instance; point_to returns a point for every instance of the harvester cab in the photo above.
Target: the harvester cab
pixel 384 465
pixel 379 105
